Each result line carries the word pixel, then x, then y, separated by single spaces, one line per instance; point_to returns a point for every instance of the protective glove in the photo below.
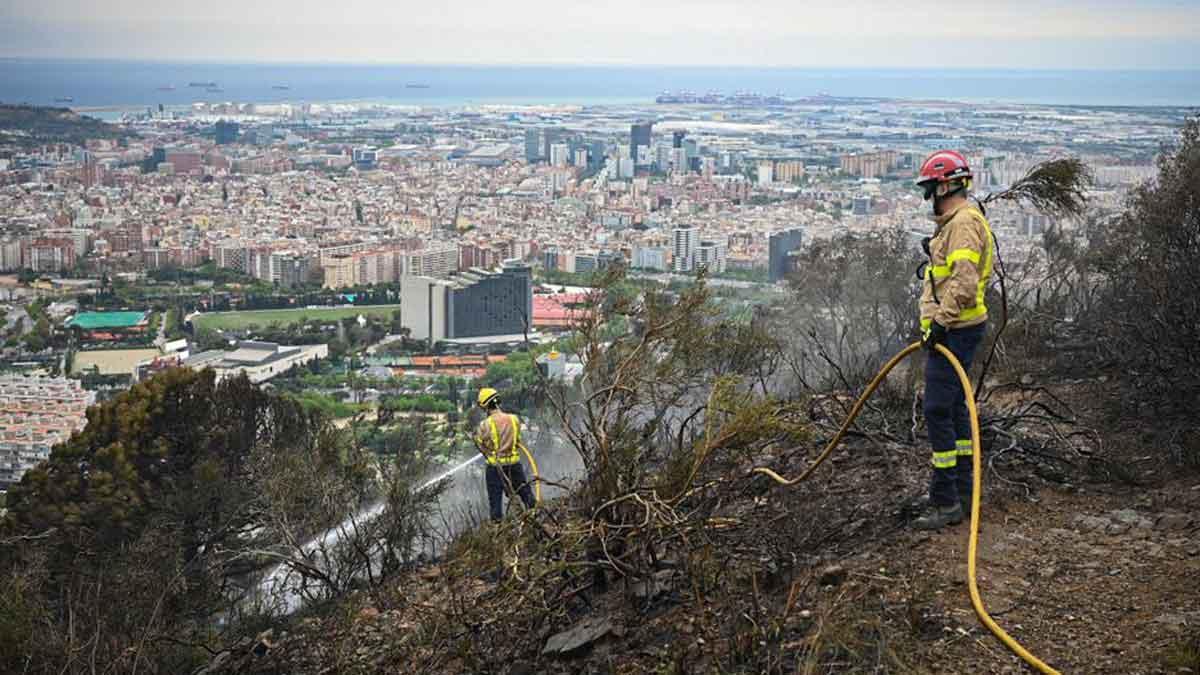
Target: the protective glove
pixel 934 335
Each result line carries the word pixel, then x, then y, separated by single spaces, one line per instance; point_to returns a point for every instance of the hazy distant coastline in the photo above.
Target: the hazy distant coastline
pixel 115 85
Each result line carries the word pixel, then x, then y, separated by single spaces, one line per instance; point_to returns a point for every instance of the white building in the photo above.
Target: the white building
pixel 650 258
pixel 766 173
pixel 431 262
pixel 684 241
pixel 559 152
pixel 260 361
pixel 710 255
pixel 625 168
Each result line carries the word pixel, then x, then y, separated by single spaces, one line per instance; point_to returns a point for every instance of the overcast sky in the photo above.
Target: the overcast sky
pixel 825 33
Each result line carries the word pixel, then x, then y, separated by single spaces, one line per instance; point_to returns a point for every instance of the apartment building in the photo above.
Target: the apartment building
pixel 36 413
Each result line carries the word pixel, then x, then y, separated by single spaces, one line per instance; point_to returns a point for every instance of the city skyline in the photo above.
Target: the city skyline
pixel 1085 34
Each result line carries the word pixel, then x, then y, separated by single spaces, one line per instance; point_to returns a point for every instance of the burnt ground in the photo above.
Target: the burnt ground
pixel 1091 572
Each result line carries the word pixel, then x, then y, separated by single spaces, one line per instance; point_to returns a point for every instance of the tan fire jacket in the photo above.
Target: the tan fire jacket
pixel 499 437
pixel 961 254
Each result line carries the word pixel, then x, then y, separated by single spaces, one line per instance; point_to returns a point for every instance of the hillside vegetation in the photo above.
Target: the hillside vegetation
pixel 27 126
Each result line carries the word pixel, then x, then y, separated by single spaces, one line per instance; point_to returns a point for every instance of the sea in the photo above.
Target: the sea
pixel 114 85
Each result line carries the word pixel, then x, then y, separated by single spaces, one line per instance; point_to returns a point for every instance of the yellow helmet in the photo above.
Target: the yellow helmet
pixel 486 396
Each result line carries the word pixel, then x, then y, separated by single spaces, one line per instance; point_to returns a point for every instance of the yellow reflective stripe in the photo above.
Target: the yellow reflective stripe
pixel 962 254
pixel 939 271
pixel 985 273
pixel 926 324
pixel 964 448
pixel 945 460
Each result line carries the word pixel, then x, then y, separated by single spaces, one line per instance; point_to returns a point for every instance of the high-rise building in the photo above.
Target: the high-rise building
pixel 226 132
pixel 766 173
pixel 625 168
pixel 50 255
pixel 477 303
pixel 596 154
pixel 10 254
pixel 710 255
pixel 677 138
pixel 869 164
pixel 89 169
pixel 365 158
pixel 679 160
pixel 230 255
pixel 559 152
pixel 435 261
pixel 789 171
pixel 340 271
pixel 289 269
pixel 155 258
pixel 683 248
pixel 780 246
pixel 533 146
pixel 639 137
pixel 550 136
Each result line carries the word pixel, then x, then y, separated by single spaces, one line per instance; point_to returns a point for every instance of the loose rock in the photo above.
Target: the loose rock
pixel 1125 516
pixel 1173 521
pixel 578 637
pixel 832 575
pixel 1090 523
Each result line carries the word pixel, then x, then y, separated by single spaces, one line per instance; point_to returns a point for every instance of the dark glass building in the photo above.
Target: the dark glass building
pixel 639 136
pixel 490 303
pixel 778 247
pixel 533 146
pixel 227 132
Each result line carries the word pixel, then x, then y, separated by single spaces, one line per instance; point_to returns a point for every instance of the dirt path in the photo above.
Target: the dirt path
pixel 1090 583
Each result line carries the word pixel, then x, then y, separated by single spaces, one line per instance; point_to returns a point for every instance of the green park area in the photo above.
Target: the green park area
pixel 266 317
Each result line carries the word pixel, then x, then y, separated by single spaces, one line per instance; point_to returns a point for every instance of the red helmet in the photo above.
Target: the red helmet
pixel 943 166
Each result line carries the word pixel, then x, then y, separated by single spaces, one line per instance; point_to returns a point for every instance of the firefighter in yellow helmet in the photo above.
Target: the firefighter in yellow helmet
pixel 498 437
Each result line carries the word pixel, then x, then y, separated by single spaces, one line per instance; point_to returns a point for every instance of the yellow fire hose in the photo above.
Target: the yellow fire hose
pixel 537 482
pixel 972 546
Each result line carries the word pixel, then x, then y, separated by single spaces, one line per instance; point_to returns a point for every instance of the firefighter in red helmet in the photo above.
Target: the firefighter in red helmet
pixel 961 253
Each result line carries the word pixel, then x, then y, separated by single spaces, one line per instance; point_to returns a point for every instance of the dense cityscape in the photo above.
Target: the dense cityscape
pixel 458 216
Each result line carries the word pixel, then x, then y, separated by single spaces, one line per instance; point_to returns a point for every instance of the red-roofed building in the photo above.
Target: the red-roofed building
pixel 561 310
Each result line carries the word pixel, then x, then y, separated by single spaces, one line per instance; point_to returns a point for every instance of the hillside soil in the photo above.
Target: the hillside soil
pixel 1092 574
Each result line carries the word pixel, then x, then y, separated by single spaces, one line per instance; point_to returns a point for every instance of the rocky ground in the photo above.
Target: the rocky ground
pixel 1093 576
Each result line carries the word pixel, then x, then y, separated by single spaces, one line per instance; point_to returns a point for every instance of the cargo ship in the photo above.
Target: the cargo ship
pixel 280 87
pixel 416 85
pixel 202 84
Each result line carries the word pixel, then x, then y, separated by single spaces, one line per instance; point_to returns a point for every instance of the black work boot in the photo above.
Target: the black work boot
pixel 938 517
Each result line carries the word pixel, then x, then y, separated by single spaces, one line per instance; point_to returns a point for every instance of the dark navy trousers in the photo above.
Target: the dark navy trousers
pixel 947 418
pixel 496 487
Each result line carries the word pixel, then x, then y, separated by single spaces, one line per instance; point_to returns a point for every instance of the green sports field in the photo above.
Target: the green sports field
pixel 266 317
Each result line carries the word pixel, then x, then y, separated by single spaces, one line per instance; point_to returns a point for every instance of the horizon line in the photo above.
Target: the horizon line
pixel 583 64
